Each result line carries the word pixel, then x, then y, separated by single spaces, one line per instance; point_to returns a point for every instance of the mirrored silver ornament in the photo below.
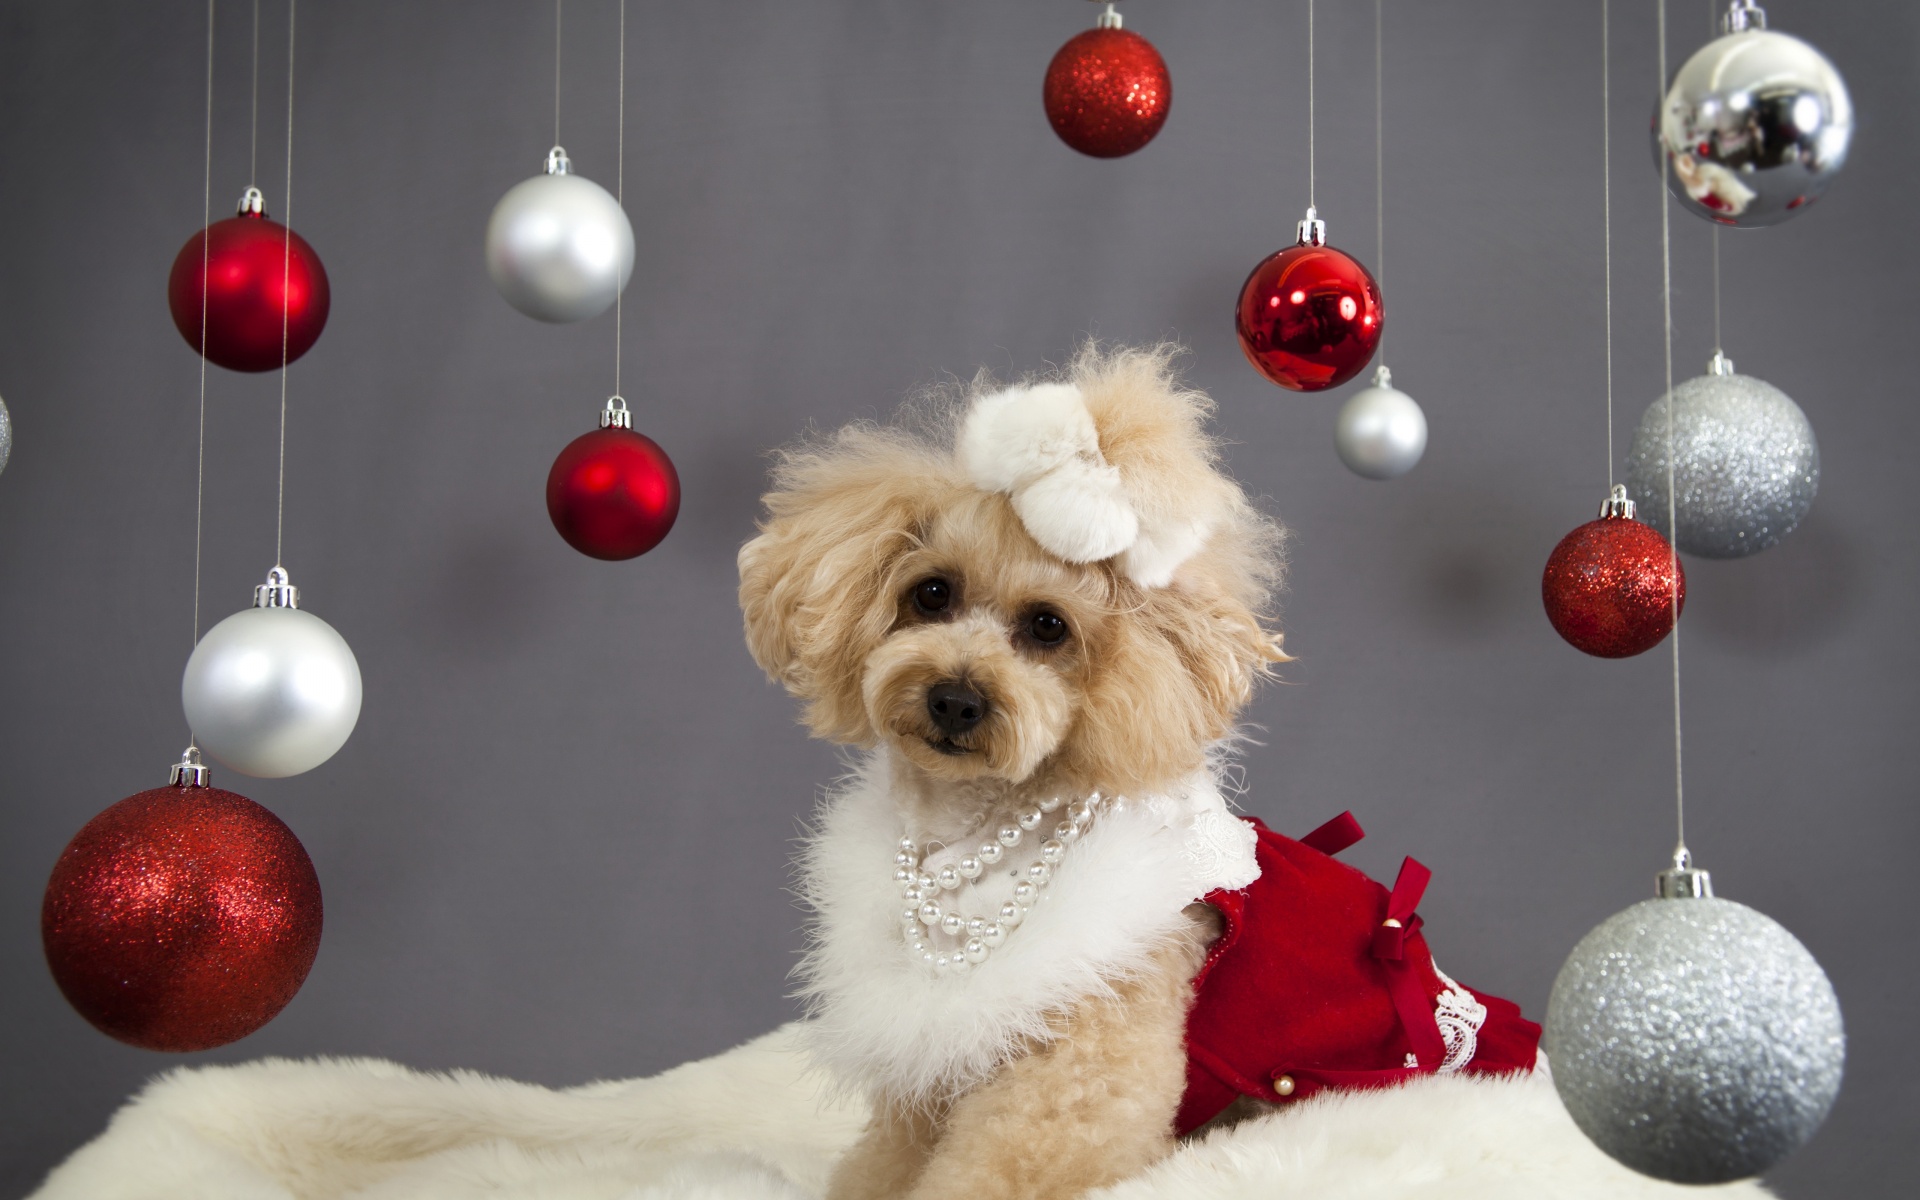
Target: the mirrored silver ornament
pixel 1746 464
pixel 1694 1039
pixel 1381 433
pixel 272 690
pixel 6 435
pixel 559 247
pixel 1754 126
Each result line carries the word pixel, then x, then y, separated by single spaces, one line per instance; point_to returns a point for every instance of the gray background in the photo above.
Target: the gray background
pixel 555 848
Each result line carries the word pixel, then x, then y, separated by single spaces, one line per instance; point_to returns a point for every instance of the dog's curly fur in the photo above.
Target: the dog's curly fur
pixel 1145 684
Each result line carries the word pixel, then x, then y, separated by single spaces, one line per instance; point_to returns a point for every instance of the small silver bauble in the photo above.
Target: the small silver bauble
pixel 6 435
pixel 272 691
pixel 1694 1039
pixel 1746 466
pixel 1755 125
pixel 559 247
pixel 1381 432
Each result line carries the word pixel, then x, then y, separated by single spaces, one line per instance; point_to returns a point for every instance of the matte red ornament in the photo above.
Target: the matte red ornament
pixel 182 918
pixel 613 493
pixel 1309 317
pixel 258 274
pixel 1107 91
pixel 1610 586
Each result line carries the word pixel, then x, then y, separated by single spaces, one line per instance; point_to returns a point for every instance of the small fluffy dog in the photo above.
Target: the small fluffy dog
pixel 1041 615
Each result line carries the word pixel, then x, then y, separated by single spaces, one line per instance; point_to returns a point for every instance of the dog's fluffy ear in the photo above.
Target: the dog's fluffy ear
pixel 816 585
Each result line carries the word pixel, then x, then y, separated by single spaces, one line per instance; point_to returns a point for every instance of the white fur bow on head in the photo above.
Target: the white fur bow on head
pixel 1039 445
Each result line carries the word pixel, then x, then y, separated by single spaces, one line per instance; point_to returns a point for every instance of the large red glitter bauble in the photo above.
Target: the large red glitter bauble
pixel 252 280
pixel 613 493
pixel 1609 587
pixel 1309 318
pixel 1107 92
pixel 181 919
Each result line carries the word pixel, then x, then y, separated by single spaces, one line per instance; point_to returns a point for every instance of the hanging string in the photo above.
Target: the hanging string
pixel 620 183
pixel 253 135
pixel 1717 348
pixel 556 70
pixel 1379 172
pixel 1311 203
pixel 1606 203
pixel 286 278
pixel 206 226
pixel 1673 554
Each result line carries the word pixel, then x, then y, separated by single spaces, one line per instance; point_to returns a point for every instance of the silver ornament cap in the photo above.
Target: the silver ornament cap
pixel 1754 126
pixel 1694 1039
pixel 559 247
pixel 1746 465
pixel 1380 433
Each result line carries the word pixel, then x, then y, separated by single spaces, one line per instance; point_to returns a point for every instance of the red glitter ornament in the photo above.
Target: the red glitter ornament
pixel 1610 585
pixel 613 493
pixel 1107 91
pixel 1309 316
pixel 265 287
pixel 182 918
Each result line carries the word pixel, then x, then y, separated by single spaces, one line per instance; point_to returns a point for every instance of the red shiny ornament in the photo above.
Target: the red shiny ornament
pixel 613 493
pixel 1610 585
pixel 1309 316
pixel 258 274
pixel 181 919
pixel 1107 92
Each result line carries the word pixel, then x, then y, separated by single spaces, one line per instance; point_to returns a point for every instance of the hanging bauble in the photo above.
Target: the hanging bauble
pixel 1610 586
pixel 613 493
pixel 1754 126
pixel 181 918
pixel 1309 316
pixel 1107 91
pixel 559 247
pixel 272 690
pixel 1381 432
pixel 265 298
pixel 1692 1038
pixel 6 435
pixel 1745 464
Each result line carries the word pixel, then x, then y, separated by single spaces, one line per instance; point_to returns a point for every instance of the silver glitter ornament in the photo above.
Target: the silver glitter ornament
pixel 1746 464
pixel 6 435
pixel 559 247
pixel 1381 432
pixel 1754 126
pixel 1694 1039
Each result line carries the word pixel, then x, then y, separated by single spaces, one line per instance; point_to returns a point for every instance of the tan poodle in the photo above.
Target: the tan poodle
pixel 1040 610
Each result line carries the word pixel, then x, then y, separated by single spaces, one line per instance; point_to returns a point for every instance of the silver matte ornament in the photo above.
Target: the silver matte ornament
pixel 1694 1039
pixel 6 435
pixel 559 247
pixel 272 691
pixel 1381 432
pixel 1755 125
pixel 1746 464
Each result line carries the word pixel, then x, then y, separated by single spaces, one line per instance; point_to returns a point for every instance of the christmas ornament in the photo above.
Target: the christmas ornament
pixel 181 918
pixel 1610 585
pixel 1745 464
pixel 1309 317
pixel 613 493
pixel 1381 432
pixel 6 435
pixel 559 247
pixel 265 296
pixel 1754 126
pixel 272 691
pixel 1107 91
pixel 1692 1038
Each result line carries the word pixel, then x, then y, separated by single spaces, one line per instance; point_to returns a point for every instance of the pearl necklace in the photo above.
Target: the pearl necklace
pixel 922 891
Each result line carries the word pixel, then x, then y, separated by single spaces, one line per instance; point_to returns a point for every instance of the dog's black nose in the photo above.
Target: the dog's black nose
pixel 955 707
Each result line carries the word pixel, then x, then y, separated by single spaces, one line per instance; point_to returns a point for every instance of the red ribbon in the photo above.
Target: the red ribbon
pixel 1403 983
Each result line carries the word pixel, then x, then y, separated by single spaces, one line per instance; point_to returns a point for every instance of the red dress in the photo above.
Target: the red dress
pixel 1323 980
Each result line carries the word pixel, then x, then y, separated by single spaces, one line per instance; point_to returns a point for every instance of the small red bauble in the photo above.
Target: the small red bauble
pixel 260 276
pixel 1309 317
pixel 1610 585
pixel 613 493
pixel 1107 91
pixel 181 919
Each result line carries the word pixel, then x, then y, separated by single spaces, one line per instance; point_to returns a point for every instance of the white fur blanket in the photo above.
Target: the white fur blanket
pixel 755 1124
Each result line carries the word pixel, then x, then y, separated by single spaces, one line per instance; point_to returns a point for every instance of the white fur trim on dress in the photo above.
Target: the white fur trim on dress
pixel 886 1021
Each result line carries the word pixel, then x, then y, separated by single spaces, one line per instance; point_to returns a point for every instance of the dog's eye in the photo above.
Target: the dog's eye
pixel 932 595
pixel 1047 628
